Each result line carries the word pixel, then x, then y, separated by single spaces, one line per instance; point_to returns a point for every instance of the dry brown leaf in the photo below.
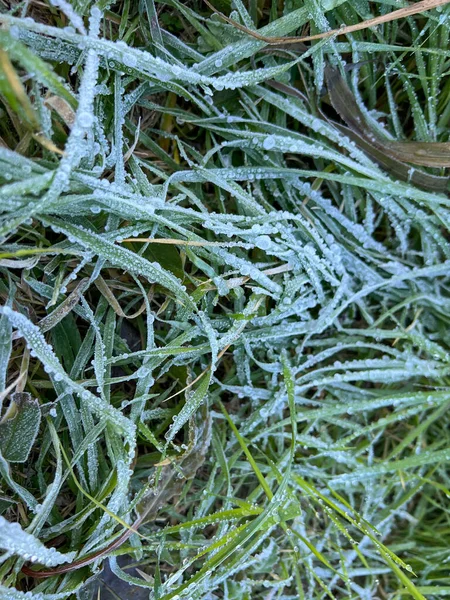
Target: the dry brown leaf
pixel 105 290
pixel 426 154
pixel 65 307
pixel 390 154
pixel 62 108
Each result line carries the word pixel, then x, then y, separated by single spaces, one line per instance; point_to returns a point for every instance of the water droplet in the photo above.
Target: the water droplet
pixel 85 120
pixel 269 143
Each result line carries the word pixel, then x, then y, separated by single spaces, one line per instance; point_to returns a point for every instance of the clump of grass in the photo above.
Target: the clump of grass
pixel 225 287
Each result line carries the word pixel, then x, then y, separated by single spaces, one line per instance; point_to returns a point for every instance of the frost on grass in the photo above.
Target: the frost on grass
pixel 14 540
pixel 18 433
pixel 203 239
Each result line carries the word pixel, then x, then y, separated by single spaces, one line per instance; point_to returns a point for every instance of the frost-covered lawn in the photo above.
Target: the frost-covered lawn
pixel 225 299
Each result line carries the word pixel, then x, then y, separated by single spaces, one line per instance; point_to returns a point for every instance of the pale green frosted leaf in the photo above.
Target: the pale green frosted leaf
pixel 15 540
pixel 5 349
pixel 17 434
pixel 193 402
pixel 22 492
pixel 13 594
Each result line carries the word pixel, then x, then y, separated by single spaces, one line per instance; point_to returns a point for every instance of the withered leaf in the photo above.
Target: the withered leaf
pixel 62 108
pixel 426 154
pixel 390 154
pixel 396 168
pixel 64 308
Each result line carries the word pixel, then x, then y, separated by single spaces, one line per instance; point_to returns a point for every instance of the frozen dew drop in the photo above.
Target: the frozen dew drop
pixel 269 143
pixel 263 242
pixel 129 60
pixel 85 120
